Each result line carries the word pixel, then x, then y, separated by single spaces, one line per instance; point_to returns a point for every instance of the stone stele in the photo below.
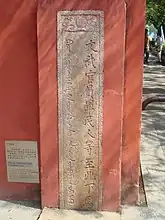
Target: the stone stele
pixel 80 87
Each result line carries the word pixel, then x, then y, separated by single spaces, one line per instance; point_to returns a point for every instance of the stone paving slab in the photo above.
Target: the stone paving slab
pixel 18 211
pixel 56 214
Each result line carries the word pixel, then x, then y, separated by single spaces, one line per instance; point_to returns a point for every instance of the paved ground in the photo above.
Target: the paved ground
pixel 19 210
pixel 153 168
pixel 152 148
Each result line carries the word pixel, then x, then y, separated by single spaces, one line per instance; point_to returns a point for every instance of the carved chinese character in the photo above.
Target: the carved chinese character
pixel 89 202
pixel 90 76
pixel 72 132
pixel 71 155
pixel 80 22
pixel 73 143
pixel 89 120
pixel 70 116
pixel 68 23
pixel 91 187
pixel 91 45
pixel 89 90
pixel 69 106
pixel 70 189
pixel 67 62
pixel 69 44
pixel 89 105
pixel 90 143
pixel 92 22
pixel 89 149
pixel 70 97
pixel 89 175
pixel 90 61
pixel 71 167
pixel 71 199
pixel 89 163
pixel 90 133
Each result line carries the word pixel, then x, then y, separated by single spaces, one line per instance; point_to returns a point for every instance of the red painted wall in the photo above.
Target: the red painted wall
pixel 19 119
pixel 28 91
pixel 113 95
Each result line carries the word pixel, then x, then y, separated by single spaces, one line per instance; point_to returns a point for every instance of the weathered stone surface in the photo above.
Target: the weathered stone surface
pixel 80 88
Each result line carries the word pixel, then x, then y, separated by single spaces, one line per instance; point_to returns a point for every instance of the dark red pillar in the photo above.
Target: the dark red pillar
pixel 132 100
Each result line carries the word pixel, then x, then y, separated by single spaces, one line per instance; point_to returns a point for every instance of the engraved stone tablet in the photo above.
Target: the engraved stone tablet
pixel 22 161
pixel 80 84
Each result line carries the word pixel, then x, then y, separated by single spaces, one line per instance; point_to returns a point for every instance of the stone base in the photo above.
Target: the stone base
pixel 51 214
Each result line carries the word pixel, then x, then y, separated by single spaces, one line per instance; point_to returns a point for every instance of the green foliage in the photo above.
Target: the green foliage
pixel 163 46
pixel 155 13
